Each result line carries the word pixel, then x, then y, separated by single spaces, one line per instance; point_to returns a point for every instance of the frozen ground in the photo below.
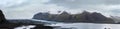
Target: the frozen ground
pixel 75 25
pixel 78 26
pixel 87 25
pixel 25 27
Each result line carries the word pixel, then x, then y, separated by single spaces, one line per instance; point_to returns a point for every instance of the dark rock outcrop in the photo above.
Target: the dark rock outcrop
pixel 2 17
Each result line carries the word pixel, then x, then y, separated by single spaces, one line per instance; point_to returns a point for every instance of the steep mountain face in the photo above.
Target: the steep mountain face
pixel 2 17
pixel 97 17
pixel 83 17
pixel 63 17
pixel 93 17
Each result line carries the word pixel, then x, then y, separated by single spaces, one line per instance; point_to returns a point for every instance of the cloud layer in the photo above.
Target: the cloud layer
pixel 25 9
pixel 106 7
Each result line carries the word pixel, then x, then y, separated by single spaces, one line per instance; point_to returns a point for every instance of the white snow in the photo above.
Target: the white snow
pixel 87 25
pixel 25 27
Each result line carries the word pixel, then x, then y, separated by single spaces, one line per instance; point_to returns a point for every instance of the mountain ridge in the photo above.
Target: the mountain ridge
pixel 80 17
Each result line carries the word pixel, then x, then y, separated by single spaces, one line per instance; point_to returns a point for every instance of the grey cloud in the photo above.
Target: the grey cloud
pixel 115 11
pixel 83 3
pixel 20 5
pixel 23 4
pixel 112 2
pixel 13 3
pixel 27 2
pixel 28 8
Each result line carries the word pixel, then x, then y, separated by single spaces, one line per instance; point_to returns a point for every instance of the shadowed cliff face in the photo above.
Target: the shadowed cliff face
pixel 81 17
pixel 2 17
pixel 95 17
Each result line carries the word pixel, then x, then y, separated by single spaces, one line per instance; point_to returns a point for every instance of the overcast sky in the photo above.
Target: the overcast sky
pixel 25 9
